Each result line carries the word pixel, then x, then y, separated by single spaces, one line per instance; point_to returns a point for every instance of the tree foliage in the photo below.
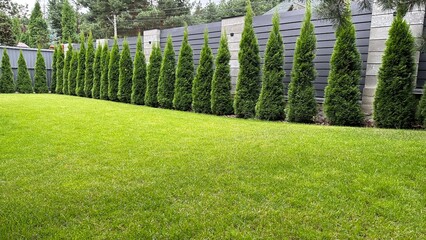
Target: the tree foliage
pixel 40 76
pixel 67 68
pixel 125 74
pixel 37 28
pixel 88 74
pixel 166 82
pixel 59 71
pixel 139 75
pixel 113 72
pixel 104 74
pixel 81 70
pixel 6 79
pixel 52 84
pixel 153 74
pixel 68 21
pixel 72 74
pixel 421 109
pixel 23 81
pixel 97 73
pixel 7 36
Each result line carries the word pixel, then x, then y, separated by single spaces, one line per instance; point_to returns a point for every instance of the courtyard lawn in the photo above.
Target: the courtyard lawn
pixel 80 168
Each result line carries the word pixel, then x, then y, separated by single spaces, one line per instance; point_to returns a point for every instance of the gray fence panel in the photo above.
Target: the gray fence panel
pixel 421 75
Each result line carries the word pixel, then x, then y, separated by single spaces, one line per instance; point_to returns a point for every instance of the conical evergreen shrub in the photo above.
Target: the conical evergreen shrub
pixel 394 102
pixel 81 70
pixel 67 68
pixel 201 87
pixel 72 74
pixel 23 81
pixel 270 105
pixel 88 75
pixel 6 80
pixel 221 100
pixel 166 82
pixel 104 74
pixel 97 72
pixel 59 70
pixel 139 75
pixel 52 84
pixel 40 76
pixel 153 74
pixel 421 110
pixel 301 106
pixel 126 71
pixel 113 72
pixel 248 82
pixel 342 94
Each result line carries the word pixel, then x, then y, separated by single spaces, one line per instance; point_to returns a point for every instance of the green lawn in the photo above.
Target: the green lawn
pixel 79 168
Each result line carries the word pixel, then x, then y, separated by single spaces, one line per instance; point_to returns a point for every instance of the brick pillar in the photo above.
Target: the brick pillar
pixel 150 38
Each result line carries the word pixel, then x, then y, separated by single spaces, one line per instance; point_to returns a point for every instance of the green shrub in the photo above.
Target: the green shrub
pixel 72 74
pixel 221 100
pixel 153 74
pixel 270 105
pixel 201 87
pixel 248 82
pixel 79 90
pixel 166 82
pixel 59 70
pixel 113 72
pixel 342 94
pixel 421 110
pixel 6 80
pixel 52 85
pixel 125 78
pixel 88 75
pixel 394 103
pixel 67 68
pixel 40 76
pixel 104 75
pixel 23 81
pixel 139 75
pixel 97 72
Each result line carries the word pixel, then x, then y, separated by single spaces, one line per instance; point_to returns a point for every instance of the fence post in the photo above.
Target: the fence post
pixel 150 38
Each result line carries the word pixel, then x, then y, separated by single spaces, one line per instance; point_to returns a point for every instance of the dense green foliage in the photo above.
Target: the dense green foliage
pixel 67 67
pixel 7 36
pixel 81 70
pixel 37 28
pixel 124 92
pixel 7 84
pixel 182 97
pixel 221 100
pixel 301 106
pixel 270 105
pixel 166 81
pixel 40 76
pixel 97 72
pixel 394 103
pixel 113 72
pixel 52 85
pixel 88 74
pixel 249 81
pixel 342 93
pixel 23 80
pixel 60 70
pixel 201 87
pixel 104 74
pixel 153 74
pixel 139 75
pixel 72 75
pixel 68 21
pixel 421 109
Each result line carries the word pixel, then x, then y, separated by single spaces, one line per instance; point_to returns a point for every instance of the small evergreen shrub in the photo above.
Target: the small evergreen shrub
pixel 113 72
pixel 59 70
pixel 40 76
pixel 153 74
pixel 104 74
pixel 166 82
pixel 97 72
pixel 72 74
pixel 6 80
pixel 88 74
pixel 67 68
pixel 52 85
pixel 79 88
pixel 125 74
pixel 23 81
pixel 139 75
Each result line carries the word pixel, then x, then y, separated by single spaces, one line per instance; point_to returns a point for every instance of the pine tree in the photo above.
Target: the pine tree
pixel 40 77
pixel 153 74
pixel 104 75
pixel 7 36
pixel 394 103
pixel 23 81
pixel 79 88
pixel 166 82
pixel 52 84
pixel 59 71
pixel 184 76
pixel 342 94
pixel 37 28
pixel 67 68
pixel 113 72
pixel 270 105
pixel 97 72
pixel 201 87
pixel 125 74
pixel 72 74
pixel 139 75
pixel 301 106
pixel 88 75
pixel 248 83
pixel 221 100
pixel 6 80
pixel 421 110
pixel 68 21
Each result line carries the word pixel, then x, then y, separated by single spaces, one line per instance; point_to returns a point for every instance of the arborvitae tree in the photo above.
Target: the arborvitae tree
pixel 67 68
pixel 6 80
pixel 125 78
pixel 68 21
pixel 37 28
pixel 23 81
pixel 40 77
pixel 184 76
pixel 342 94
pixel 153 74
pixel 72 74
pixel 79 88
pixel 248 83
pixel 301 106
pixel 97 71
pixel 7 36
pixel 421 110
pixel 221 100
pixel 166 82
pixel 394 103
pixel 60 71
pixel 113 72
pixel 88 75
pixel 201 87
pixel 139 75
pixel 54 69
pixel 270 105
pixel 104 74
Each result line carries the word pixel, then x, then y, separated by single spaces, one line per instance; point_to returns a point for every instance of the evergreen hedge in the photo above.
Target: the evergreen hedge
pixel 6 80
pixel 166 82
pixel 139 75
pixel 97 72
pixel 81 70
pixel 421 110
pixel 72 74
pixel 23 81
pixel 40 76
pixel 201 87
pixel 270 105
pixel 221 100
pixel 59 70
pixel 52 85
pixel 113 72
pixel 125 74
pixel 104 72
pixel 67 68
pixel 88 74
pixel 153 74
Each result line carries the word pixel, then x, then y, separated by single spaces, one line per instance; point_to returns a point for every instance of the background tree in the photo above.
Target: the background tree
pixel 72 74
pixel 201 87
pixel 139 75
pixel 54 16
pixel 221 100
pixel 125 78
pixel 40 77
pixel 67 68
pixel 104 74
pixel 17 29
pixel 301 106
pixel 81 70
pixel 166 82
pixel 97 72
pixel 88 75
pixel 248 82
pixel 37 27
pixel 153 74
pixel 421 109
pixel 23 81
pixel 12 8
pixel 54 69
pixel 68 21
pixel 113 72
pixel 59 70
pixel 6 79
pixel 7 36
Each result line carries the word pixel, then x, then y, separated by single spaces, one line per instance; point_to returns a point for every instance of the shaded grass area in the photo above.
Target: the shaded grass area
pixel 80 168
